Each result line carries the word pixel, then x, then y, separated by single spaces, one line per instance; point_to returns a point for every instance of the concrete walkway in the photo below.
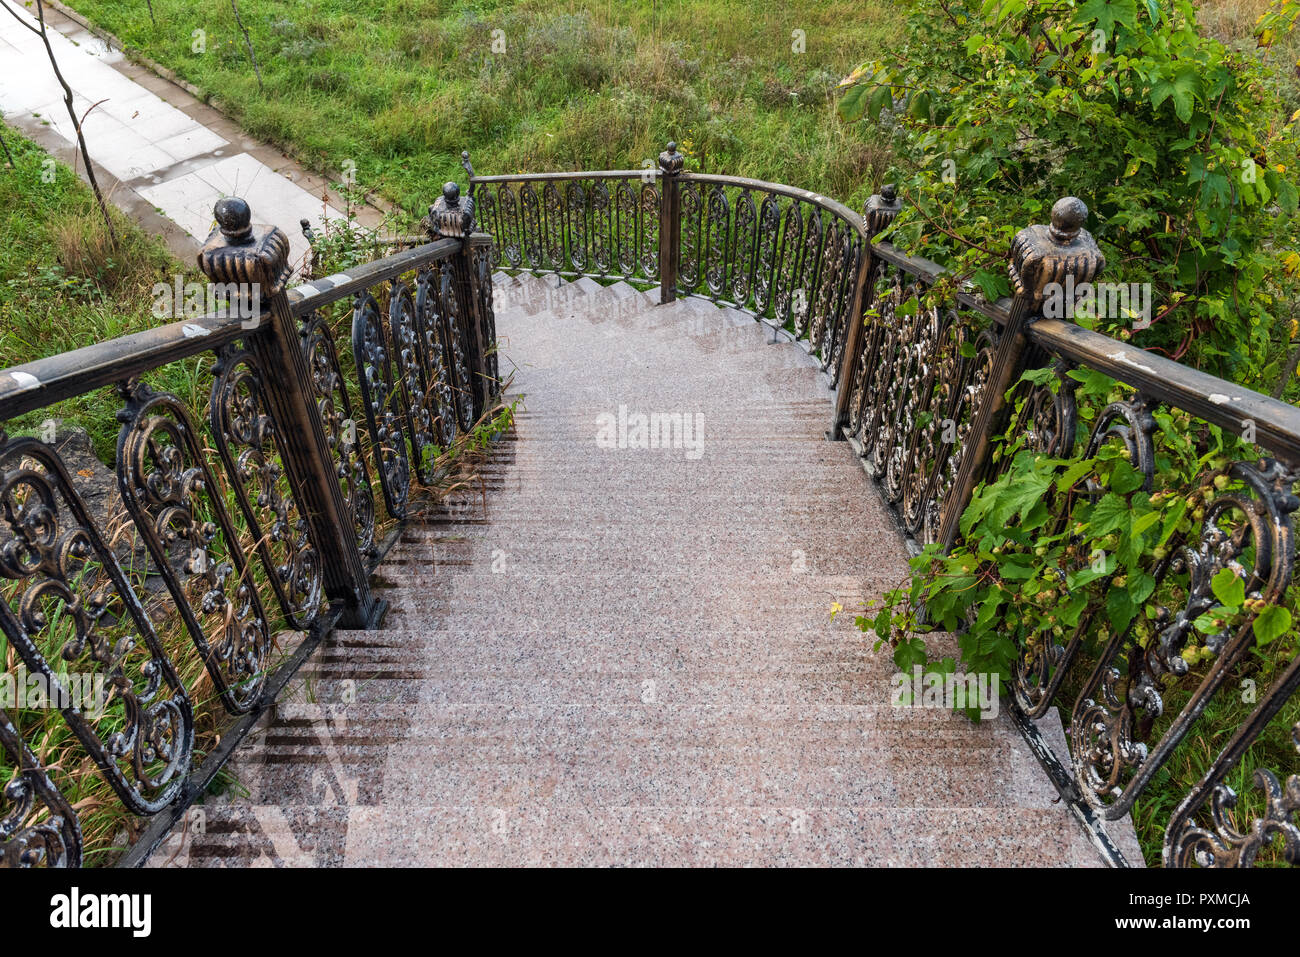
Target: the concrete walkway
pixel 161 155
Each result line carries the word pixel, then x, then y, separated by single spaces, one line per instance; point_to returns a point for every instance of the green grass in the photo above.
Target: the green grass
pixel 63 285
pixel 400 87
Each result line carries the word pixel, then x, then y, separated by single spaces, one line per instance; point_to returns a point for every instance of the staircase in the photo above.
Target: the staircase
pixel 624 656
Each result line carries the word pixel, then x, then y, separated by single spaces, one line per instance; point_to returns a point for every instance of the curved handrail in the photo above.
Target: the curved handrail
pixel 780 189
pixel 317 293
pixel 34 385
pixel 567 175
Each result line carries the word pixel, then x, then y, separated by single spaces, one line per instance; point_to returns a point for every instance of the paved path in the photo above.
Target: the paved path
pixel 624 655
pixel 160 148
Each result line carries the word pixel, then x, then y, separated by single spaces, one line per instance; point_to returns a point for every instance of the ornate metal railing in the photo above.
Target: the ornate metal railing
pixel 924 384
pixel 785 255
pixel 252 510
pixel 604 225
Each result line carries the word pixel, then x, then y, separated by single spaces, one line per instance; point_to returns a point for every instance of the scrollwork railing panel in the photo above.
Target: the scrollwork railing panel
pixel 508 236
pixel 247 441
pixel 481 264
pixel 177 505
pixel 381 398
pixel 341 428
pixel 435 354
pixel 651 206
pixel 1246 528
pixel 69 601
pixel 38 827
pixel 692 221
pixel 530 217
pixel 409 367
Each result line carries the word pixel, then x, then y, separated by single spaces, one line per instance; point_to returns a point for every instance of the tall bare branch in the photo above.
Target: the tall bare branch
pixel 248 41
pixel 69 102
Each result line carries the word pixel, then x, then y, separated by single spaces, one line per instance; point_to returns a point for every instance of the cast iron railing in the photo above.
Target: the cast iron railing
pixel 924 385
pixel 256 512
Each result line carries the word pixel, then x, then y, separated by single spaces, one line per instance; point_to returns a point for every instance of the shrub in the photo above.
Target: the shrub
pixel 1179 146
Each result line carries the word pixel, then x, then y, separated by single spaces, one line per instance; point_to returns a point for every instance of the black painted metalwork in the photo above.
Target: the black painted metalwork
pixel 175 501
pixel 279 464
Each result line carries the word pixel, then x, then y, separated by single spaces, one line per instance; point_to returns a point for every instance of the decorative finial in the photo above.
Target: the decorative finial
pixel 235 219
pixel 671 161
pixel 1042 255
pixel 238 252
pixel 881 209
pixel 467 166
pixel 1068 216
pixel 451 216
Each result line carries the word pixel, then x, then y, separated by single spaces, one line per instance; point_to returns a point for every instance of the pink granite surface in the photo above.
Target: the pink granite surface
pixel 606 656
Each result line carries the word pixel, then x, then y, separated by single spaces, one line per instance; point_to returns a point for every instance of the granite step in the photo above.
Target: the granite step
pixel 584 836
pixel 599 656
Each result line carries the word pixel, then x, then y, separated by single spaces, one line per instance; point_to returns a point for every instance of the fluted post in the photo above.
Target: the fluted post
pixel 1040 255
pixel 879 212
pixel 670 222
pixel 258 256
pixel 452 217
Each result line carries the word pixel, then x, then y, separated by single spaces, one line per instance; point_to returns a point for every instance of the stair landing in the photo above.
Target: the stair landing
pixel 625 656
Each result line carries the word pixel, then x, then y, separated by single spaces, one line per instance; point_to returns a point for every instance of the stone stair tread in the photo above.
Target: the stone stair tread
pixel 601 656
pixel 768 835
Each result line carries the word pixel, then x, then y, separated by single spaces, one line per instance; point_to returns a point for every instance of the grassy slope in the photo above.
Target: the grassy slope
pixel 63 285
pixel 400 87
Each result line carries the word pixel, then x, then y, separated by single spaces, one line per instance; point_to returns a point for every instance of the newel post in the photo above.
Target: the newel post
pixel 1040 255
pixel 452 217
pixel 258 259
pixel 670 222
pixel 878 213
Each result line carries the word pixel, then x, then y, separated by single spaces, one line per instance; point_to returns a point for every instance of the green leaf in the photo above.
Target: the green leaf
pixel 854 102
pixel 1075 472
pixel 919 106
pixel 881 623
pixel 910 653
pixel 880 98
pixel 1140 586
pixel 1082 576
pixel 1287 196
pixel 1120 608
pixel 1109 514
pixel 1070 611
pixel 1181 87
pixel 992 284
pixel 1108 12
pixel 1145 522
pixel 1273 622
pixel 1172 519
pixel 1228 588
pixel 1015 571
pixel 1018 497
pixel 1125 478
